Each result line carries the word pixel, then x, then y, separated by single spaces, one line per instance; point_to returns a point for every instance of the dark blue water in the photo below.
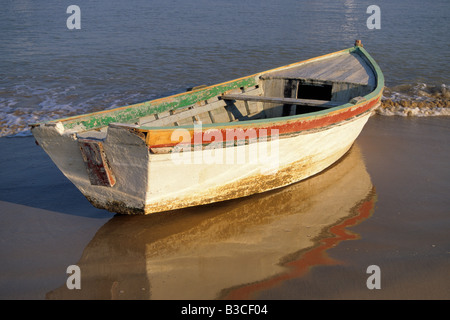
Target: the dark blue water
pixel 131 51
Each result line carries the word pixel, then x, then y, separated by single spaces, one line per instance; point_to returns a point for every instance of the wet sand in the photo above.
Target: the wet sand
pixel 408 234
pixel 386 203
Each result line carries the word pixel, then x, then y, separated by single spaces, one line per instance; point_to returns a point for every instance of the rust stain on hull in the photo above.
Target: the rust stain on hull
pixel 116 206
pixel 97 165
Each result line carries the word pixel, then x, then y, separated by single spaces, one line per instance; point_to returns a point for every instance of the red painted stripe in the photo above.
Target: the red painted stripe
pixel 284 127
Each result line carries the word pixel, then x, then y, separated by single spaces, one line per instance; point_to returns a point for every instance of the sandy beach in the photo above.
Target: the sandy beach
pixel 385 204
pixel 47 225
pixel 45 221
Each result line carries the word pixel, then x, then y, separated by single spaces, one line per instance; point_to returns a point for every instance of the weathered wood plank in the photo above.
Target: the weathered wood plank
pixel 308 102
pixel 344 67
pixel 312 80
pixel 169 119
pixel 96 163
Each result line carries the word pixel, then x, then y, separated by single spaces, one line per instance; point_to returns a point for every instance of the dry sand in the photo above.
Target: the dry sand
pixel 47 225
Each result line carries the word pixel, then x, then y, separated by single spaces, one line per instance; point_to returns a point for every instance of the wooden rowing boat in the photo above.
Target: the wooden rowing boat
pixel 219 142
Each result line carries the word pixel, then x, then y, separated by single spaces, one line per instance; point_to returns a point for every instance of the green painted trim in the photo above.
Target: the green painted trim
pixel 377 71
pixel 132 113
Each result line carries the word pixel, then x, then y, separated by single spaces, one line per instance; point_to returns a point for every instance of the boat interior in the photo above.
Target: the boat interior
pixel 301 88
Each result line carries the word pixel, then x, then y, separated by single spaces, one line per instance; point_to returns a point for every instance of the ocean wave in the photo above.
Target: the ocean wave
pixel 415 100
pixel 23 105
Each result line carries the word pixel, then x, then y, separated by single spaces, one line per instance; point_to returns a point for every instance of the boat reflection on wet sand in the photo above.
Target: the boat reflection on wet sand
pixel 232 249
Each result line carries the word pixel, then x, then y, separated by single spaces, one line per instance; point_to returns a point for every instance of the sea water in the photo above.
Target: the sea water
pixel 127 52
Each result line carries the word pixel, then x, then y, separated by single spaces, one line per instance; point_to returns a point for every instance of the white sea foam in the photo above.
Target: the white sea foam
pixel 416 100
pixel 413 112
pixel 23 105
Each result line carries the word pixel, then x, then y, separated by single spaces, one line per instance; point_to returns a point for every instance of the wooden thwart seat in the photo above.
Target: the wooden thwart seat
pixel 223 101
pixel 293 101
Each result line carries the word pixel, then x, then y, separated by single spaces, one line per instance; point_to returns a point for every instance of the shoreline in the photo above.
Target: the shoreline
pixel 418 100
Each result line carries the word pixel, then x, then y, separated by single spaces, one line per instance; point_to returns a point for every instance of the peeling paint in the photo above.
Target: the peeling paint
pixel 97 165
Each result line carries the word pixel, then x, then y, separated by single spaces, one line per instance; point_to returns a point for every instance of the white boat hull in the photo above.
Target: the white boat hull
pixel 148 182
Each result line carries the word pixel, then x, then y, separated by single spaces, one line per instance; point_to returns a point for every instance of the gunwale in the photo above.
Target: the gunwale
pixel 130 113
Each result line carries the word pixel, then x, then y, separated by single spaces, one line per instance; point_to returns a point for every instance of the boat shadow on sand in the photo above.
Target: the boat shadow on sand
pixel 230 250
